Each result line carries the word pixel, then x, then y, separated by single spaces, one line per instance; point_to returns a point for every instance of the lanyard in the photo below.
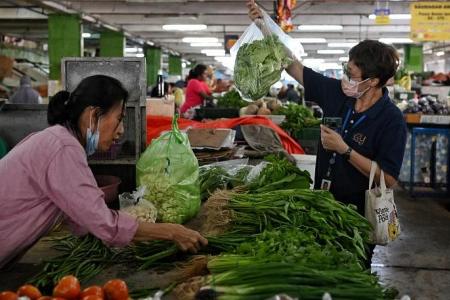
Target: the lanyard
pixel 343 134
pixel 347 118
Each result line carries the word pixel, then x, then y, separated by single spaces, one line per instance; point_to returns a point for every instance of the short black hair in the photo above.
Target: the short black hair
pixel 375 59
pixel 98 90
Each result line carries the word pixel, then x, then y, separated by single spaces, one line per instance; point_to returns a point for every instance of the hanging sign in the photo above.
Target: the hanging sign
pixel 230 40
pixel 430 21
pixel 382 16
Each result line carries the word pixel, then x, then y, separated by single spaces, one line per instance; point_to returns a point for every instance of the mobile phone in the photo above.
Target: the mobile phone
pixel 333 123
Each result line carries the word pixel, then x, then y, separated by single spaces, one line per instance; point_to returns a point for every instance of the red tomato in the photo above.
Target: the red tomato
pixel 116 289
pixel 45 298
pixel 8 295
pixel 29 291
pixel 94 290
pixel 92 297
pixel 68 288
pixel 57 298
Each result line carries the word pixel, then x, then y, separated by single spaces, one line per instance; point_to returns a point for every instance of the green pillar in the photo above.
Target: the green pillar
pixel 414 58
pixel 112 44
pixel 153 58
pixel 64 40
pixel 175 67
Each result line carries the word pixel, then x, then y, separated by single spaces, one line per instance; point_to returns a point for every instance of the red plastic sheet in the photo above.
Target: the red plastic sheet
pixel 158 124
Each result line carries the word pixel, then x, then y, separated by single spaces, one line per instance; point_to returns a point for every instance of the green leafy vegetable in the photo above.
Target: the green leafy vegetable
pixel 259 65
pixel 231 99
pixel 297 118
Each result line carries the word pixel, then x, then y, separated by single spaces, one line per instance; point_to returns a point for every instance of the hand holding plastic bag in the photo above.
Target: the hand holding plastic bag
pixel 262 53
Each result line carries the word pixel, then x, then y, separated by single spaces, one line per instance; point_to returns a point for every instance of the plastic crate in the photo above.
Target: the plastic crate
pixel 216 113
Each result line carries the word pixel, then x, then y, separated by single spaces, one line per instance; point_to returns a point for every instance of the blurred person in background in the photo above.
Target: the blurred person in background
pixel 177 90
pixel 291 94
pixel 197 91
pixel 25 94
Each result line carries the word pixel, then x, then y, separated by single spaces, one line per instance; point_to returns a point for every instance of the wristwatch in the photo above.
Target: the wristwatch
pixel 347 153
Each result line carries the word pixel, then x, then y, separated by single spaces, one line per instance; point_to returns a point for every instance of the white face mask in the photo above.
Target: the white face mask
pixel 350 87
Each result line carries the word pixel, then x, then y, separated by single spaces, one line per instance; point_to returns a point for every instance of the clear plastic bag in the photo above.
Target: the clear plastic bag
pixel 262 53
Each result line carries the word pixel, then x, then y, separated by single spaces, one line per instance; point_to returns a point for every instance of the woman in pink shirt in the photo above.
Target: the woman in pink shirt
pixel 46 177
pixel 197 90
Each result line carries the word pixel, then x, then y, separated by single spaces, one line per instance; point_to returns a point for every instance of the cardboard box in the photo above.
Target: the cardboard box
pixel 160 107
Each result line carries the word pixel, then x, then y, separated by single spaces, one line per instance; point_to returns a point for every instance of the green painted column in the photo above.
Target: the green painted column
pixel 153 58
pixel 112 44
pixel 414 58
pixel 64 40
pixel 175 67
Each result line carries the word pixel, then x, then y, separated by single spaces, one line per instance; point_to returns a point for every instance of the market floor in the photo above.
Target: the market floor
pixel 418 263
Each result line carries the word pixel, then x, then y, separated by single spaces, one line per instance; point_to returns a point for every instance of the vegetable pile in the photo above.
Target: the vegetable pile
pixel 270 234
pixel 297 118
pixel 259 65
pixel 231 99
pixel 69 288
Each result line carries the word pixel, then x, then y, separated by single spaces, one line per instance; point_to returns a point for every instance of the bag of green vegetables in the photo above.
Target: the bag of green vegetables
pixel 170 171
pixel 262 53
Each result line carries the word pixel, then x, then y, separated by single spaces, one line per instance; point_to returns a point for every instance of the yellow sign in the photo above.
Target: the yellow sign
pixel 382 20
pixel 430 21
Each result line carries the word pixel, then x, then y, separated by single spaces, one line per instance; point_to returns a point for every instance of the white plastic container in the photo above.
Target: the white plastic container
pixel 308 163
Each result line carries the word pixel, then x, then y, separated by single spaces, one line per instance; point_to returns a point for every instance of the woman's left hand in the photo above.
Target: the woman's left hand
pixel 331 140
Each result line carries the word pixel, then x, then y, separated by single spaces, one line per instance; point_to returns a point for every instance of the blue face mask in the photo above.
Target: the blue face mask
pixel 92 138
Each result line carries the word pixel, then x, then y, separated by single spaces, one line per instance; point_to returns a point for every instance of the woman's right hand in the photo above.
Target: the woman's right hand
pixel 253 10
pixel 186 239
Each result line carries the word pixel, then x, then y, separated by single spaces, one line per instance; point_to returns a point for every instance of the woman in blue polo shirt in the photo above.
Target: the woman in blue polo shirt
pixel 373 128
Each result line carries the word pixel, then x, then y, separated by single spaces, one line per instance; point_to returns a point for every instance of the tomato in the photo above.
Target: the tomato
pixel 8 295
pixel 94 290
pixel 92 297
pixel 116 289
pixel 57 298
pixel 29 291
pixel 45 298
pixel 68 288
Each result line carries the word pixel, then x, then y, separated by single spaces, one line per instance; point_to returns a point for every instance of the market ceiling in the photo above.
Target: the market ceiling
pixel 143 20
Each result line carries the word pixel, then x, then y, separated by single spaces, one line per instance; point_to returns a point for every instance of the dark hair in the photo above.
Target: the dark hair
pixel 197 71
pixel 290 86
pixel 99 91
pixel 375 59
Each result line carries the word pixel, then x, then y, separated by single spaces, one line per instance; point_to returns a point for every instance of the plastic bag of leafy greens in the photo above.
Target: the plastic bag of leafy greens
pixel 169 170
pixel 261 54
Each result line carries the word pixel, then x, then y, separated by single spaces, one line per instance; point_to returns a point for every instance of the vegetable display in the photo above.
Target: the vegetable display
pixel 231 99
pixel 297 118
pixel 259 65
pixel 69 288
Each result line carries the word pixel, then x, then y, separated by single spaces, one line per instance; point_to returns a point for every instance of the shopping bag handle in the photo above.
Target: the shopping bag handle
pixel 373 169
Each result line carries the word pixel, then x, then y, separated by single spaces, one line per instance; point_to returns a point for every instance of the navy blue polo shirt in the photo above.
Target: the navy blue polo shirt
pixel 379 136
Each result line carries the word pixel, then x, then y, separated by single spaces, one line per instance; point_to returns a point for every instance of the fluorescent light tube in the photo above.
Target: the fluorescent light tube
pixel 320 27
pixel 311 40
pixel 184 27
pixel 396 40
pixel 331 51
pixel 341 45
pixel 343 58
pixel 206 44
pixel 200 40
